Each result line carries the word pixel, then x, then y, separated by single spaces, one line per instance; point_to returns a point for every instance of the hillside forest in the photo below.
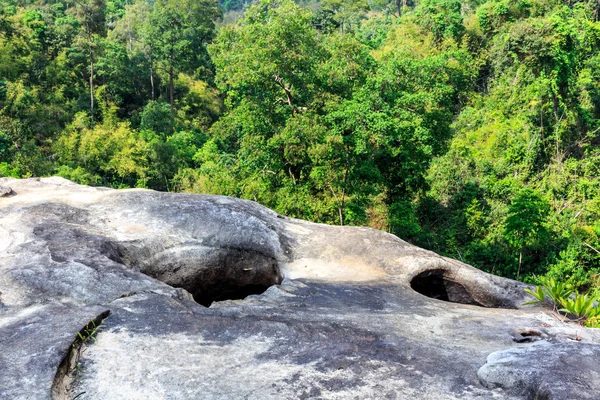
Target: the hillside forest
pixel 468 127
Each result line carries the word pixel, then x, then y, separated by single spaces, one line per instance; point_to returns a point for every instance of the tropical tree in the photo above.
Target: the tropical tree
pixel 91 16
pixel 525 222
pixel 177 33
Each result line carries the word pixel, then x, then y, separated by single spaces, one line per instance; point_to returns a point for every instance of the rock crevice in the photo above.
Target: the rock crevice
pixel 69 370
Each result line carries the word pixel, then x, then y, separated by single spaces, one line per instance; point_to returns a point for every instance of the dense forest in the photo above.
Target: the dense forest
pixel 471 128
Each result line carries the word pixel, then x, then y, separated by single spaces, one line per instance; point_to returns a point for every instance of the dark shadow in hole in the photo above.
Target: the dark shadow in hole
pixel 530 332
pixel 233 275
pixel 237 293
pixel 527 336
pixel 435 284
pixel 218 274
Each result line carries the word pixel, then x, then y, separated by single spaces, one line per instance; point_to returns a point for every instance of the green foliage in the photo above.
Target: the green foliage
pixel 556 290
pixel 156 117
pixel 592 319
pixel 525 222
pixel 79 175
pixel 582 308
pixel 443 18
pixel 346 13
pixel 374 31
pixel 111 153
pixel 89 332
pixel 538 294
pixel 229 5
pixel 494 14
pixel 324 20
pixel 4 147
pixel 269 58
pixel 8 171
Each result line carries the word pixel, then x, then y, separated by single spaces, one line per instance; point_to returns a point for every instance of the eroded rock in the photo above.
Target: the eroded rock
pixel 5 191
pixel 297 310
pixel 545 371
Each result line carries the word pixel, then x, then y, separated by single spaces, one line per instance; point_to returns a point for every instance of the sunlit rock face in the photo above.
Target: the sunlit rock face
pixel 180 296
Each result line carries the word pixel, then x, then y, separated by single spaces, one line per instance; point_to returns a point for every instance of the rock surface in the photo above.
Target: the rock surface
pixel 546 371
pixel 5 191
pixel 297 310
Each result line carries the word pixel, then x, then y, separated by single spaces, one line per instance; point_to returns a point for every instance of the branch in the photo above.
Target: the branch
pixel 590 246
pixel 287 90
pixel 334 193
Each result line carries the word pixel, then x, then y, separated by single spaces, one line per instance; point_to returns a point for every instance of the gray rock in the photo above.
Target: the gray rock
pixel 296 309
pixel 5 191
pixel 545 371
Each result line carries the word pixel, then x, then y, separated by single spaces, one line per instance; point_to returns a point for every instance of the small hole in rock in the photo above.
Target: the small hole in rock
pixel 530 333
pixel 527 335
pixel 435 284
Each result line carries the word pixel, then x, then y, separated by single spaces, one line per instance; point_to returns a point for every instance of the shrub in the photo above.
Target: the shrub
pixel 582 308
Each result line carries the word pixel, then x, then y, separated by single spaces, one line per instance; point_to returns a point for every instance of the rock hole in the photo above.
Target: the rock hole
pixel 531 332
pixel 217 274
pixel 233 292
pixel 435 284
pixel 527 336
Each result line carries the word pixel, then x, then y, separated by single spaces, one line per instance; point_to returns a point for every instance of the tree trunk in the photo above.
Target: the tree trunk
pixel 91 80
pixel 152 82
pixel 399 7
pixel 557 120
pixel 171 85
pixel 340 202
pixel 341 207
pixel 542 117
pixel 129 30
pixel 520 262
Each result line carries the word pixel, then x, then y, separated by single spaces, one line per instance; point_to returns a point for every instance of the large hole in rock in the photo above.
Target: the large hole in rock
pixel 215 274
pixel 435 284
pixel 210 272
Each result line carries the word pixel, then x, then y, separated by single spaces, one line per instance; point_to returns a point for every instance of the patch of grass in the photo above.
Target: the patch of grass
pixel 89 332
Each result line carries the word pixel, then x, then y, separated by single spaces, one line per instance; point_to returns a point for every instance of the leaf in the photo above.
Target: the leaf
pixel 538 294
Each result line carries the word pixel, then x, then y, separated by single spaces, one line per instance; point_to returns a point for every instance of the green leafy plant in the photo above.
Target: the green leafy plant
pixel 557 291
pixel 552 289
pixel 88 332
pixel 582 308
pixel 593 320
pixel 539 295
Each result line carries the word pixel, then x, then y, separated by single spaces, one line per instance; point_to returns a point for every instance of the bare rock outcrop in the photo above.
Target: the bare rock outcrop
pixel 210 297
pixel 5 191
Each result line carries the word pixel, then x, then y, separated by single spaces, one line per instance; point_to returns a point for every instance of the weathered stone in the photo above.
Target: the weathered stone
pixel 5 191
pixel 327 312
pixel 545 371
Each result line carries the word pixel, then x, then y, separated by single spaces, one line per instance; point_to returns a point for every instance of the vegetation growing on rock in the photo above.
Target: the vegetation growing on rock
pixel 582 308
